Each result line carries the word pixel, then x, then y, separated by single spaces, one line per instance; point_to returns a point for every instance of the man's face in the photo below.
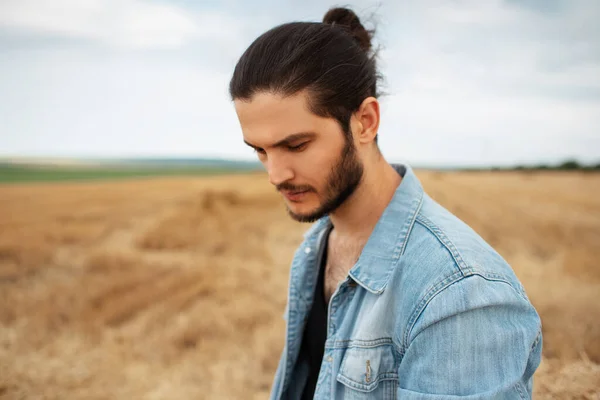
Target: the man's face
pixel 308 158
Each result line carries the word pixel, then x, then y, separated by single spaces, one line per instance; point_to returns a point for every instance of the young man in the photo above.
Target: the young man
pixel 390 295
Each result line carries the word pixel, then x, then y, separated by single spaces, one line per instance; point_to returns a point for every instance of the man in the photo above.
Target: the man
pixel 390 295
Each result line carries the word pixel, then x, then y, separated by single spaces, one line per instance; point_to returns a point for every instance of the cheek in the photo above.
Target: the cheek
pixel 314 168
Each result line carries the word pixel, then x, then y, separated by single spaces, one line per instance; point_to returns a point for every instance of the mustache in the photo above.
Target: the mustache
pixel 294 188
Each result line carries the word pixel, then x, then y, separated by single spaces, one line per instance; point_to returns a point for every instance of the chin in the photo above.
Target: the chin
pixel 304 214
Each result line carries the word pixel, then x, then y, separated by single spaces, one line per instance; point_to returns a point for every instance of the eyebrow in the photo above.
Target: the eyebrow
pixel 288 140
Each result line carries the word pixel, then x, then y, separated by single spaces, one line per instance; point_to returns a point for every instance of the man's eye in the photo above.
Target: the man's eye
pixel 260 151
pixel 299 147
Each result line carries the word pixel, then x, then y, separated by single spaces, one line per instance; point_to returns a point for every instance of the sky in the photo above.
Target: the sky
pixel 466 82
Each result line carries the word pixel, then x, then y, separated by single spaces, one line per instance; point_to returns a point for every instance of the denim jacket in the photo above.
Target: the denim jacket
pixel 429 311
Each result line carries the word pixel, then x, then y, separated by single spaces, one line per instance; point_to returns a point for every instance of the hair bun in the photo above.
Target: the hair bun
pixel 347 19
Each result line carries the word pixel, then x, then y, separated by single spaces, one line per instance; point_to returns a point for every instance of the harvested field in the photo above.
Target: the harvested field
pixel 174 288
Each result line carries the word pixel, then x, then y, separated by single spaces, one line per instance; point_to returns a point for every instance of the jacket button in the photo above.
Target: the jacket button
pixel 307 250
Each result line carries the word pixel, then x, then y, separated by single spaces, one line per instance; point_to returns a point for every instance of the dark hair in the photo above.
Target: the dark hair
pixel 333 60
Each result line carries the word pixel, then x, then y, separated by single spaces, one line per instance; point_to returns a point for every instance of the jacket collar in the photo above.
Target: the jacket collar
pixel 388 240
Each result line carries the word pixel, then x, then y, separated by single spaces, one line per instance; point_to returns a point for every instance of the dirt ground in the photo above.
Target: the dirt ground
pixel 174 288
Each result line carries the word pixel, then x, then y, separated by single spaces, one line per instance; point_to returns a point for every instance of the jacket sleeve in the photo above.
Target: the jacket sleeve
pixel 474 339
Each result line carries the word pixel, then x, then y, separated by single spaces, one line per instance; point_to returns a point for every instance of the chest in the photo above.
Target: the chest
pixel 363 364
pixel 341 257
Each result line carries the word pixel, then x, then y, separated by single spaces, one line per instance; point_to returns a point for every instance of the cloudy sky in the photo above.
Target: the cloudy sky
pixel 467 82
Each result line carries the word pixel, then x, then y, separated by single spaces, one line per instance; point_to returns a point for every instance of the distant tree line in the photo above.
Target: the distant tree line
pixel 568 165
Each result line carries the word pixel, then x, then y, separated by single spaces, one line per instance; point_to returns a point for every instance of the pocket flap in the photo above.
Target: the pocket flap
pixel 363 368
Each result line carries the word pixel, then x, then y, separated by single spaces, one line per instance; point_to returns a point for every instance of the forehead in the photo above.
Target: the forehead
pixel 268 117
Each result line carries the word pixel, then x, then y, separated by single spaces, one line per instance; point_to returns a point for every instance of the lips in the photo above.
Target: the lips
pixel 294 196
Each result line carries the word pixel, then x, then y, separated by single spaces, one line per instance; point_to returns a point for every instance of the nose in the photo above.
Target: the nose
pixel 279 170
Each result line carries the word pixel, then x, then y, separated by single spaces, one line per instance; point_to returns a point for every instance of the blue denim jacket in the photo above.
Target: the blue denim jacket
pixel 429 311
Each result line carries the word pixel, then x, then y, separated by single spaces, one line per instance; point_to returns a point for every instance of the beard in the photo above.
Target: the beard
pixel 343 179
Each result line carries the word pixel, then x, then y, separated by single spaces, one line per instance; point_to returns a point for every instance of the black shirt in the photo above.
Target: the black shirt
pixel 315 332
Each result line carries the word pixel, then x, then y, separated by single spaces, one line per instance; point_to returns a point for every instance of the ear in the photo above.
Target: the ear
pixel 367 120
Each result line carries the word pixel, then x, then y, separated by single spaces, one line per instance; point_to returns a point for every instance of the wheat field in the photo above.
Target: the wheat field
pixel 174 288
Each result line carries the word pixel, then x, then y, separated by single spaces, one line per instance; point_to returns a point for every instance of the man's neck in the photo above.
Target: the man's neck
pixel 357 217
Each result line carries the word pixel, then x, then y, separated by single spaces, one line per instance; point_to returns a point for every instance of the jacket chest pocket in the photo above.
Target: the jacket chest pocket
pixel 368 373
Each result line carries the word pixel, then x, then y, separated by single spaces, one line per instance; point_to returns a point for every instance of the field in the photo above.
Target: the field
pixel 174 287
pixel 54 173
